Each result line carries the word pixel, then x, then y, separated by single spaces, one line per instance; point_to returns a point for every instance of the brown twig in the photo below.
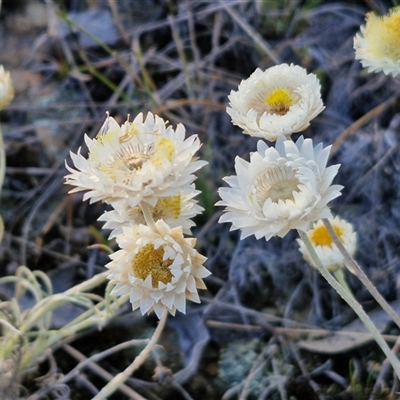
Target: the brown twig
pixel 360 122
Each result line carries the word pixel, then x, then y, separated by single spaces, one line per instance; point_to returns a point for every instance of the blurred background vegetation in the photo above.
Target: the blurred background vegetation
pixel 254 335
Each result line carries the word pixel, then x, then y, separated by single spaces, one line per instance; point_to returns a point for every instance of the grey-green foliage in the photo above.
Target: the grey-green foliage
pixel 235 363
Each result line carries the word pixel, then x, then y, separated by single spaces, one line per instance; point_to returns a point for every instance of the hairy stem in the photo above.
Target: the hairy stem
pixel 353 303
pixel 353 267
pixel 339 275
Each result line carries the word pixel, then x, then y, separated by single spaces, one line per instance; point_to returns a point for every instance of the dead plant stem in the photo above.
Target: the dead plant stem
pixel 119 379
pixel 356 270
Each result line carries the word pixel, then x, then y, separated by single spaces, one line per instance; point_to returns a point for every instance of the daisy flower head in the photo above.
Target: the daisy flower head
pixel 276 102
pixel 158 268
pixel 139 161
pixel 175 210
pixel 281 188
pixel 377 45
pixel 324 246
pixel 6 88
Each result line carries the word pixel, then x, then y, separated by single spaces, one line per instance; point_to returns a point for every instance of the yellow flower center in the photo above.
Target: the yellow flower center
pixel 149 261
pixel 279 101
pixel 321 237
pixel 133 156
pixel 168 207
pixel 276 183
pixel 128 154
pixel 383 34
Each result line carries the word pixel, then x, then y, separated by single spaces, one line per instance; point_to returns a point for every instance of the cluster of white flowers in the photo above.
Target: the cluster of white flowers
pixel 145 170
pixel 286 186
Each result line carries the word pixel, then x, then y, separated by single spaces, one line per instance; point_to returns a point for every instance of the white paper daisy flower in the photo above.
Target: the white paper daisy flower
pixel 158 268
pixel 139 161
pixel 174 210
pixel 281 188
pixel 276 102
pixel 6 88
pixel 322 242
pixel 377 45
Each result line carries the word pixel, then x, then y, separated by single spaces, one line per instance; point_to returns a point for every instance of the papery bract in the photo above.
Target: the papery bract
pixel 158 268
pixel 323 244
pixel 276 102
pixel 281 188
pixel 377 45
pixel 143 160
